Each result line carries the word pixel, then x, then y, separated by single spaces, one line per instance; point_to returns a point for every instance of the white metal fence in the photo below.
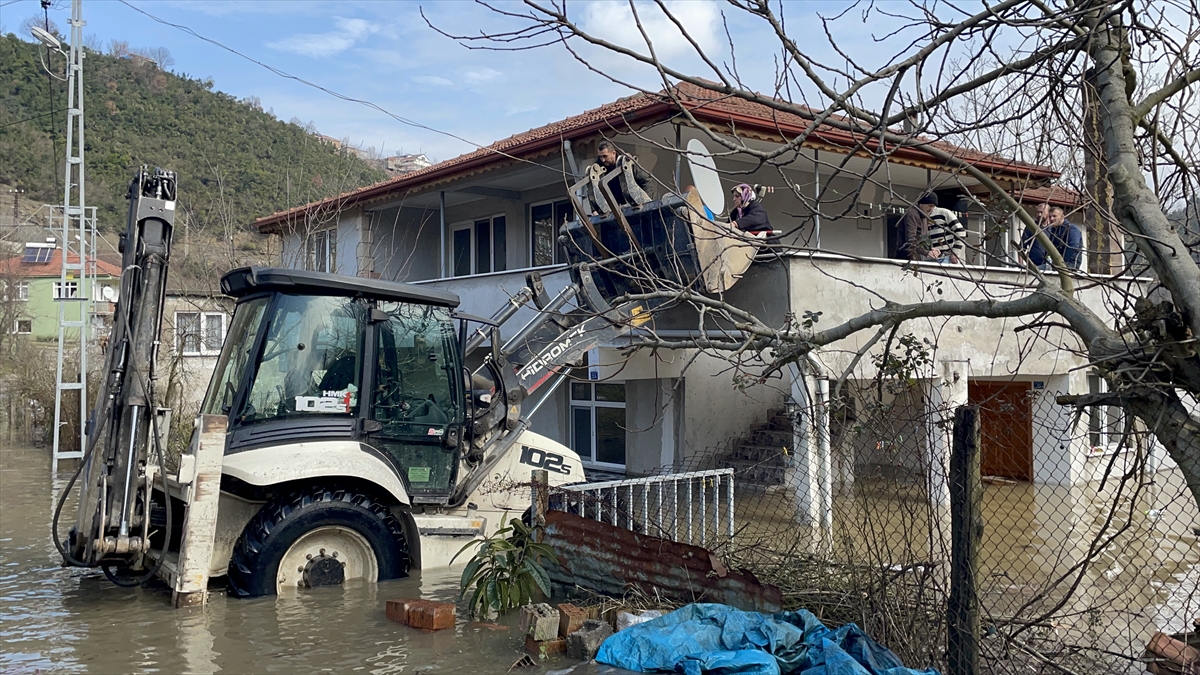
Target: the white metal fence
pixel 689 507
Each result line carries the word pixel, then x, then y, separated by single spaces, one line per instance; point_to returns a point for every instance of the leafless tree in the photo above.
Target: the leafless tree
pixel 984 76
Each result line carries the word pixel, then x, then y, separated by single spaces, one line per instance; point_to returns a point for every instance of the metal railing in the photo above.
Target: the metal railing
pixel 681 507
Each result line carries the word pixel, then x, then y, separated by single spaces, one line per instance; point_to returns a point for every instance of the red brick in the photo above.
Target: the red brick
pixel 545 648
pixel 431 615
pixel 397 610
pixel 570 619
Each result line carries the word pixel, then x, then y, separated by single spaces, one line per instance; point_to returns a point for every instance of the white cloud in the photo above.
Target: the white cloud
pixel 433 81
pixel 319 45
pixel 614 21
pixel 482 75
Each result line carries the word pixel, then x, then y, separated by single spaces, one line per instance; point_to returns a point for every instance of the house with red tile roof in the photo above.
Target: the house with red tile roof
pixel 475 224
pixel 36 279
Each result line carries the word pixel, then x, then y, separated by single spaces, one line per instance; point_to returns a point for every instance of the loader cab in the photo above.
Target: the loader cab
pixel 374 365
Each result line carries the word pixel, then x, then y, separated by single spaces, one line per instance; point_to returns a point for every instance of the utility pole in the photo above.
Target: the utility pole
pixel 74 289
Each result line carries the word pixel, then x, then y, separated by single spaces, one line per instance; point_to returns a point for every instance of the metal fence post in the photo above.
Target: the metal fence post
pixel 966 531
pixel 541 497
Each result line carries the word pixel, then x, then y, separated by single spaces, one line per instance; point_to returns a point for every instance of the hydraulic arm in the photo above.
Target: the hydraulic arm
pixel 112 526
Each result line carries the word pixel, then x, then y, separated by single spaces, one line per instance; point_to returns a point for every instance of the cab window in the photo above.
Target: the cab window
pixel 311 360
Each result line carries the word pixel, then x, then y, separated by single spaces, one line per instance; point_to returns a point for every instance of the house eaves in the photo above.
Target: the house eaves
pixel 722 113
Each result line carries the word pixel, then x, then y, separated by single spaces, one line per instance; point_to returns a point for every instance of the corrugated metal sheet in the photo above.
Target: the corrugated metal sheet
pixel 611 560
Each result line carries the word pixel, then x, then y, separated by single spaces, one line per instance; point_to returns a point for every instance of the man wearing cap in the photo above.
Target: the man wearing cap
pixel 915 226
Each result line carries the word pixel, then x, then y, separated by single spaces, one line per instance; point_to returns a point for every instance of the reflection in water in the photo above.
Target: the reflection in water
pixel 54 619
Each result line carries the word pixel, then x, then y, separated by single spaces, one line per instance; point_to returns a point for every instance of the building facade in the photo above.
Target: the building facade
pixel 37 290
pixel 477 223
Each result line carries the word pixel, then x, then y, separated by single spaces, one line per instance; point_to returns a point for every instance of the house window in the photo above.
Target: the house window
pixel 598 422
pixel 545 222
pixel 22 293
pixel 1105 423
pixel 23 326
pixel 66 291
pixel 479 247
pixel 199 333
pixel 322 251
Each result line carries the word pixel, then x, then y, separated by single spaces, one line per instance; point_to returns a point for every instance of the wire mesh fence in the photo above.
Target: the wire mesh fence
pixel 1088 543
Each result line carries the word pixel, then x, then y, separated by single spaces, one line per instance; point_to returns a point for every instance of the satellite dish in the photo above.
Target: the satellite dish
pixel 108 293
pixel 704 176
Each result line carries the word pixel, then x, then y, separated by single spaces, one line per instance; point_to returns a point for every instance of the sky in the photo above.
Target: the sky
pixel 386 53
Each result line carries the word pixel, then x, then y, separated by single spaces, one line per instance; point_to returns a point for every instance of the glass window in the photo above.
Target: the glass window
pixel 499 244
pixel 310 361
pixel 483 246
pixel 66 292
pixel 416 395
pixel 460 263
pixel 22 290
pixel 610 435
pixel 214 332
pixel 1105 423
pixel 187 332
pixel 24 326
pixel 598 422
pixel 227 376
pixel 322 251
pixel 545 222
pixel 610 392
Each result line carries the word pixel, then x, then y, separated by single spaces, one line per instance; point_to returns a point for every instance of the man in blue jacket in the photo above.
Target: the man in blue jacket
pixel 1063 234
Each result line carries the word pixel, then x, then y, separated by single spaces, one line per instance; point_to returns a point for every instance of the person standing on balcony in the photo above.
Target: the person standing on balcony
pixel 1062 233
pixel 748 213
pixel 915 226
pixel 947 235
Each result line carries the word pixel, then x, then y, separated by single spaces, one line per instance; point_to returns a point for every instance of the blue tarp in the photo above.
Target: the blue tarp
pixel 721 640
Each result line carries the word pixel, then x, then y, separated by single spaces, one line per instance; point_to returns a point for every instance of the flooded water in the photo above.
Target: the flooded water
pixel 55 619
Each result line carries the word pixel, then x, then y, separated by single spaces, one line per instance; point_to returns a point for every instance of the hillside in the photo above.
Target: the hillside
pixel 235 162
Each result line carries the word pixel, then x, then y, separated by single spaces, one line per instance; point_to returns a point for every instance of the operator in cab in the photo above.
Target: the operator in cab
pixel 606 158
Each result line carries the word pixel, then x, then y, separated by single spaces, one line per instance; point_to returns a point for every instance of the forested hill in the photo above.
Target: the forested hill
pixel 235 162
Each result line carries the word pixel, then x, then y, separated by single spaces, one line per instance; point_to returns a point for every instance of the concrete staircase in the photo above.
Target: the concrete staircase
pixel 759 458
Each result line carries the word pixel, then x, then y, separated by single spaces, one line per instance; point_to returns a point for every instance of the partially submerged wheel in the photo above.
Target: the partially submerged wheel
pixel 318 536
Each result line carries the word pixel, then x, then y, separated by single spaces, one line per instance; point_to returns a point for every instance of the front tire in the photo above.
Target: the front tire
pixel 317 536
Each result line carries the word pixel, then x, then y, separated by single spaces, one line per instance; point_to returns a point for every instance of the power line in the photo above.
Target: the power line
pixel 350 99
pixel 35 117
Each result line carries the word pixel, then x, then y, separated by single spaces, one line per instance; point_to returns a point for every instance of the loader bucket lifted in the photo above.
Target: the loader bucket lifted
pixel 634 249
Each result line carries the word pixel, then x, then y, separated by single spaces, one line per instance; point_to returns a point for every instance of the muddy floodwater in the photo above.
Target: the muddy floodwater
pixel 73 620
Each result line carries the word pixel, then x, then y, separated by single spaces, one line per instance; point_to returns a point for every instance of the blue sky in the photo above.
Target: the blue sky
pixel 380 51
pixel 384 52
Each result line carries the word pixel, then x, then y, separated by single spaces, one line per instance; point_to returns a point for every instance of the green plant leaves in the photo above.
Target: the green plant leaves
pixel 505 570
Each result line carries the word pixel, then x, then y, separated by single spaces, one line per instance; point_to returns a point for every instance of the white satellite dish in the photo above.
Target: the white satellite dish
pixel 108 293
pixel 705 177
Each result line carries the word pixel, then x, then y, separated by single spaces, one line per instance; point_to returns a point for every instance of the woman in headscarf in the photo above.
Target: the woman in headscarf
pixel 748 214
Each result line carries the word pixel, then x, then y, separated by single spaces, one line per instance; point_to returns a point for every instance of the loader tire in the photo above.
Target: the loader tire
pixel 323 516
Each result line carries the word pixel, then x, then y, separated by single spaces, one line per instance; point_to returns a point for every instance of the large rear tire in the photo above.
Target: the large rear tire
pixel 317 536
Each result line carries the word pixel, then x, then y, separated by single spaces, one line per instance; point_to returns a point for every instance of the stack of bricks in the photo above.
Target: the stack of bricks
pixel 423 614
pixel 540 625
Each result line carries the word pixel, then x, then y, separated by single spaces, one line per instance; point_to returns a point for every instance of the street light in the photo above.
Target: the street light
pixel 46 38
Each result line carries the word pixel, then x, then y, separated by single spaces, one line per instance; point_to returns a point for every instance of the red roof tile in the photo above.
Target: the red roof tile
pixel 706 105
pixel 53 268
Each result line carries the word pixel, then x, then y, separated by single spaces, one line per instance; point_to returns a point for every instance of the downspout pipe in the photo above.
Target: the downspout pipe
pixel 442 234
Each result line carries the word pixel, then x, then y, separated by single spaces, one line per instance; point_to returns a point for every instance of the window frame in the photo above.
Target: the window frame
pixel 329 236
pixel 1100 420
pixel 57 292
pixel 557 249
pixel 22 291
pixel 592 405
pixel 17 326
pixel 496 263
pixel 203 317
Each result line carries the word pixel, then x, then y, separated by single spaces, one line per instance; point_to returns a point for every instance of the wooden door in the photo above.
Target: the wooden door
pixel 1005 428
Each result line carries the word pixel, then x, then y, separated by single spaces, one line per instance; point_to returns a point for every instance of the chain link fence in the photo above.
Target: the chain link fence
pixel 1088 542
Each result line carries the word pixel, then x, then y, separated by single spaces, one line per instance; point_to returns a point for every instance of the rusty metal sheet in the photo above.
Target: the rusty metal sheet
pixel 611 560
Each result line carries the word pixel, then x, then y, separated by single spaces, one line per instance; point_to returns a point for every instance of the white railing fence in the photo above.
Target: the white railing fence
pixel 692 508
